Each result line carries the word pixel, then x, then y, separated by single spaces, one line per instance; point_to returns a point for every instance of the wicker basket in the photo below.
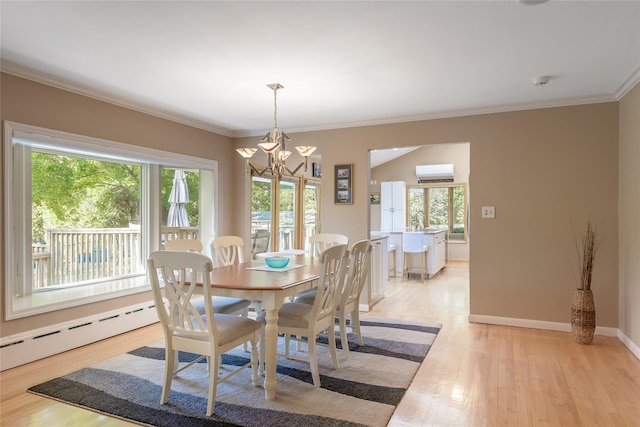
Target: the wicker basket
pixel 583 316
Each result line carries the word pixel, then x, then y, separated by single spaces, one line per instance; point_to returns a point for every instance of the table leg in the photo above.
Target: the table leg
pixel 271 348
pixel 271 302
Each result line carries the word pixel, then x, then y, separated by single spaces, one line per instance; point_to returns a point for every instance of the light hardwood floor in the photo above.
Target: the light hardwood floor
pixel 474 375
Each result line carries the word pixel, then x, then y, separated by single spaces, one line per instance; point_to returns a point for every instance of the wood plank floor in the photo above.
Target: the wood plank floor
pixel 474 375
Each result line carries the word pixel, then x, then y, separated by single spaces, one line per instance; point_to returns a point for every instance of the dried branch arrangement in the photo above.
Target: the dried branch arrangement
pixel 588 248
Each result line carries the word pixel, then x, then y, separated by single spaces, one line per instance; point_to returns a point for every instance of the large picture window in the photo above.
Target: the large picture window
pixel 83 214
pixel 85 219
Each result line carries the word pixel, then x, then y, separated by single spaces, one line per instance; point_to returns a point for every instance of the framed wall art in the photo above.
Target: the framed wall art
pixel 317 170
pixel 375 198
pixel 344 189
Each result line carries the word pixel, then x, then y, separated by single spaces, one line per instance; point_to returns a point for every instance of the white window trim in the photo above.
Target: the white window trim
pixel 13 209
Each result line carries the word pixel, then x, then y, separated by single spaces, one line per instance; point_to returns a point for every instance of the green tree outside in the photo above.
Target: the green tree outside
pixel 77 192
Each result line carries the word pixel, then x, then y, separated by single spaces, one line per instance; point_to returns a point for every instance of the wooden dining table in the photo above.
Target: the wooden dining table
pixel 254 280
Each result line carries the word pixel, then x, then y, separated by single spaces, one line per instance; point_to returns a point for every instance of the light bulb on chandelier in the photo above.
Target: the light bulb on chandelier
pixel 273 145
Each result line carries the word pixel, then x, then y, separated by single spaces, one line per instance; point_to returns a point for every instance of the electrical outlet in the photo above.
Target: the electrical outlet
pixel 488 212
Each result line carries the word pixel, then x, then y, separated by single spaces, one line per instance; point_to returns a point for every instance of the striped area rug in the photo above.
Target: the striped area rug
pixel 363 392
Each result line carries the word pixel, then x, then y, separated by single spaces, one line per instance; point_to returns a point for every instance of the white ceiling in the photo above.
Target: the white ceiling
pixel 378 157
pixel 342 63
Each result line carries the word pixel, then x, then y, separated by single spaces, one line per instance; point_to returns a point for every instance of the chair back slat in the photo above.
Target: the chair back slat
pixel 227 250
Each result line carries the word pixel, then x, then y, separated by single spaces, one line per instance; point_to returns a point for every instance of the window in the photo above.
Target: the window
pixel 180 198
pixel 282 213
pixel 439 206
pixel 261 208
pixel 81 219
pixel 288 202
pixel 85 219
pixel 310 211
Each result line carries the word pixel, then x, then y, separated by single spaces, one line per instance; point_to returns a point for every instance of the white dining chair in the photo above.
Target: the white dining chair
pixel 226 305
pixel 185 329
pixel 229 250
pixel 349 304
pixel 260 242
pixel 310 320
pixel 322 241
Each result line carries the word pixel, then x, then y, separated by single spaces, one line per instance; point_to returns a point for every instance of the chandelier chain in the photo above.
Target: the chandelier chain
pixel 275 108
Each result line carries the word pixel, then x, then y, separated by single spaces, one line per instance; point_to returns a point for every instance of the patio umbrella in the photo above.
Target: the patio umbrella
pixel 177 199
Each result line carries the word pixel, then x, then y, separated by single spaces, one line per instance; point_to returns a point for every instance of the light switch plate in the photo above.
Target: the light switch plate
pixel 488 212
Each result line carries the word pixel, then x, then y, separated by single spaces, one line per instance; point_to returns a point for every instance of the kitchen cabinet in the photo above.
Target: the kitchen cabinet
pixel 392 206
pixel 436 254
pixel 376 284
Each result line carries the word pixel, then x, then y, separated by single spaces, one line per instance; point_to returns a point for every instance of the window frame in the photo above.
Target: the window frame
pixel 451 186
pixel 17 213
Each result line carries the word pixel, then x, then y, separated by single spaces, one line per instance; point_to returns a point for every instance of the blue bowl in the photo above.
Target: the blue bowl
pixel 277 261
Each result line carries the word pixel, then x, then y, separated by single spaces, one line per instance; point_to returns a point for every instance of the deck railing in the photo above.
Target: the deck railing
pixel 73 256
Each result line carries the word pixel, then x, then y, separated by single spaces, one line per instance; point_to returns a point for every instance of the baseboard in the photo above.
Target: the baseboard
pixel 457 261
pixel 553 326
pixel 19 349
pixel 536 324
pixel 630 344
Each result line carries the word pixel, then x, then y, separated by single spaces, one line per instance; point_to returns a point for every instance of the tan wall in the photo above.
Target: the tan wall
pixel 24 101
pixel 629 212
pixel 542 170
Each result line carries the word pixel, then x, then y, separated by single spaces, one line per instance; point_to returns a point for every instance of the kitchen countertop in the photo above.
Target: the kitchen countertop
pixel 376 237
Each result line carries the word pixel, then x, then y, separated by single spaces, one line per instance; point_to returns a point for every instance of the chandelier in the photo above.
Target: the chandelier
pixel 273 145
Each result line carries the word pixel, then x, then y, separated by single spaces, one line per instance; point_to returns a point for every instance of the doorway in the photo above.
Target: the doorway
pixel 399 165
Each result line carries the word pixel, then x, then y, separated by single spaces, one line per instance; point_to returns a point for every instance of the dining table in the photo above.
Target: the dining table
pixel 255 280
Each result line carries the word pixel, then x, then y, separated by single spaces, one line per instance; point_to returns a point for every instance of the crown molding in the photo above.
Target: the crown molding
pixel 626 87
pixel 50 80
pixel 70 86
pixel 565 102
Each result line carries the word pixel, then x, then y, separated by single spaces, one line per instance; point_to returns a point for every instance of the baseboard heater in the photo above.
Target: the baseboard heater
pixel 20 349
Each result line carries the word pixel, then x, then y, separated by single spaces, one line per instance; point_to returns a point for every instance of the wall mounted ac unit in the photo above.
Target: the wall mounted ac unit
pixel 434 173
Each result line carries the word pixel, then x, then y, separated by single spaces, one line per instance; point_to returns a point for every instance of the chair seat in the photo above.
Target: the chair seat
pixel 229 327
pixel 307 297
pixel 223 305
pixel 290 315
